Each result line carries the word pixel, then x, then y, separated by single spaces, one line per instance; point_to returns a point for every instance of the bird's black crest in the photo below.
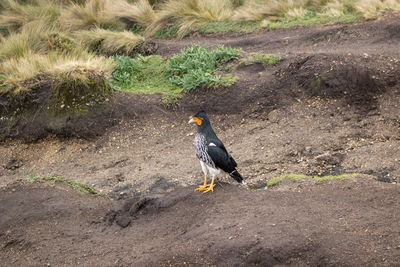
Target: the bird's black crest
pixel 201 114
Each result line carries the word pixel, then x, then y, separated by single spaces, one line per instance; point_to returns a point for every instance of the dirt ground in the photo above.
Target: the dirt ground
pixel 331 106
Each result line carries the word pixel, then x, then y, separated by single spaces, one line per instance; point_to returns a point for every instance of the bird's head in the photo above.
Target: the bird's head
pixel 200 118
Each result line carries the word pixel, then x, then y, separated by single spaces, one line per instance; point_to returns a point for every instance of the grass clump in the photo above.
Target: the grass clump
pixel 91 14
pixel 341 177
pixel 188 14
pixel 15 14
pixel 136 16
pixel 84 188
pixel 308 19
pixel 33 37
pixel 264 59
pixel 194 67
pixel 110 42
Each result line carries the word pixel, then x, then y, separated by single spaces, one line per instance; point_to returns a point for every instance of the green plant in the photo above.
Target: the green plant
pixel 193 67
pixel 169 31
pixel 3 80
pixel 29 174
pixel 196 65
pixel 316 85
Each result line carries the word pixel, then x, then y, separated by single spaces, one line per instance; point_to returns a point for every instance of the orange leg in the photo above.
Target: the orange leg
pixel 210 187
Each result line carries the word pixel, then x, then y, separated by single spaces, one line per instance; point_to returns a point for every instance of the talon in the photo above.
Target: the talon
pixel 209 188
pixel 202 187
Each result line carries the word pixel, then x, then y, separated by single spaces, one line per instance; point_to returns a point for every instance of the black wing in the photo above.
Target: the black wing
pixel 221 157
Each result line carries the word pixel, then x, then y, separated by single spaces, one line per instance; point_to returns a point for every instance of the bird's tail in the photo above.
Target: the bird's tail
pixel 237 176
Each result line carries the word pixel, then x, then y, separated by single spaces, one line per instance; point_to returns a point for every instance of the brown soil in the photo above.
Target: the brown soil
pixel 352 224
pixel 331 106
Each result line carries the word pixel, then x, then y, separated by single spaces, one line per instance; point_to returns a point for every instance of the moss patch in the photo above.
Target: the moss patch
pixel 264 59
pixel 345 176
pixel 292 177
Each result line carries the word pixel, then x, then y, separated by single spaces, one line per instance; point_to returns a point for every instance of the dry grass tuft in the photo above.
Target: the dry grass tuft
pixel 18 70
pixel 92 14
pixel 270 9
pixel 17 14
pixel 109 42
pixel 258 10
pixel 31 38
pixel 140 13
pixel 335 9
pixel 187 14
pixel 369 8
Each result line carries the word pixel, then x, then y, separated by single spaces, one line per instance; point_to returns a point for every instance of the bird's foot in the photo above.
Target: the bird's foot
pixel 209 188
pixel 202 187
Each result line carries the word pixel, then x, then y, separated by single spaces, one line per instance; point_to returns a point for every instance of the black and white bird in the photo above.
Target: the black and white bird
pixel 212 153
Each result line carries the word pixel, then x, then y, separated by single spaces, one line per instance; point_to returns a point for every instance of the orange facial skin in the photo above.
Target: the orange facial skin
pixel 197 120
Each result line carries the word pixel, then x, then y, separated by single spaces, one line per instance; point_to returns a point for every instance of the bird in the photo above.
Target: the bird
pixel 212 153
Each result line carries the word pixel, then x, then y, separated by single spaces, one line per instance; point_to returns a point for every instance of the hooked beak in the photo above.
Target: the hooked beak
pixel 191 121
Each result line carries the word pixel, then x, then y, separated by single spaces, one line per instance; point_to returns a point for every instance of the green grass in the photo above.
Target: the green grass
pixel 194 67
pixel 316 179
pixel 264 59
pixel 143 75
pixel 230 26
pixel 3 80
pixel 311 18
pixel 167 32
pixel 57 179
